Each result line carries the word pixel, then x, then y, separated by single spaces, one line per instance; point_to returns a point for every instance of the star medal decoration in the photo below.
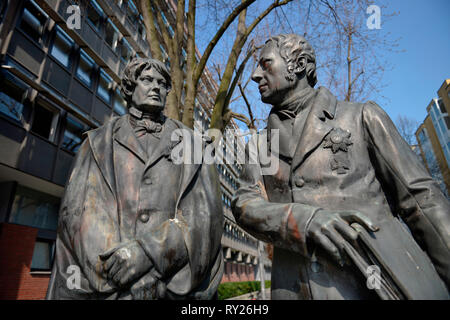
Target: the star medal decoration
pixel 339 140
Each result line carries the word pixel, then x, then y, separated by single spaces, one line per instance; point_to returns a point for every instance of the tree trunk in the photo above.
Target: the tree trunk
pixel 191 85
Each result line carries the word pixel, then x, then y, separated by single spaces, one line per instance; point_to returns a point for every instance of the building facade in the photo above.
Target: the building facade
pixel 433 136
pixel 56 83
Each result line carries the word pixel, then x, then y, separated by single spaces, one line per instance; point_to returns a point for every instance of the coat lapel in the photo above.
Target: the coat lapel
pixel 163 146
pixel 124 134
pixel 101 143
pixel 316 127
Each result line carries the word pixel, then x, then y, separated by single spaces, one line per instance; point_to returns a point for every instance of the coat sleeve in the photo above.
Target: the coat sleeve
pixel 283 224
pixel 86 228
pixel 414 195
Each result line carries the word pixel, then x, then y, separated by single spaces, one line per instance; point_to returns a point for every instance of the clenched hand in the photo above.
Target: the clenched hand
pixel 125 263
pixel 330 230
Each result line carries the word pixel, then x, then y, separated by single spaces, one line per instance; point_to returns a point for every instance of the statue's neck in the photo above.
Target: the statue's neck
pixel 295 97
pixel 140 114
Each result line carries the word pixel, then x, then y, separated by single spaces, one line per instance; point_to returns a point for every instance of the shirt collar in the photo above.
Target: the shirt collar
pixel 290 107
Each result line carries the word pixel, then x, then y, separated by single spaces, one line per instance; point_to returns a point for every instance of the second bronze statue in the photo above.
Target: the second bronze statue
pixel 346 191
pixel 133 224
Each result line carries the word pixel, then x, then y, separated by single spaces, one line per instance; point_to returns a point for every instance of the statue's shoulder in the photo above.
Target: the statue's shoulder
pixel 105 131
pixel 109 124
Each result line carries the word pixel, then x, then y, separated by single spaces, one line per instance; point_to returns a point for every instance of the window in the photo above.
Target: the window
pixel 62 47
pixel 95 14
pixel 104 85
pixel 85 68
pixel 442 126
pixel 441 106
pixel 126 51
pixel 141 28
pixel 43 121
pixel 43 254
pixel 447 122
pixel 120 105
pixel 434 112
pixel 112 35
pixel 35 209
pixel 423 139
pixel 11 99
pixel 132 12
pixel 72 135
pixel 33 20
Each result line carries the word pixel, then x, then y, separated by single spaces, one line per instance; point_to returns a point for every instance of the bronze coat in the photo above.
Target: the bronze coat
pixel 98 213
pixel 377 175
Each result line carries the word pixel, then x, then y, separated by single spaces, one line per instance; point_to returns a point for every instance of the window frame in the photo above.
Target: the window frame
pixel 83 128
pixel 9 83
pixel 104 75
pixel 84 55
pixel 52 248
pixel 39 102
pixel 23 190
pixel 96 7
pixel 124 43
pixel 67 39
pixel 115 45
pixel 118 96
pixel 43 24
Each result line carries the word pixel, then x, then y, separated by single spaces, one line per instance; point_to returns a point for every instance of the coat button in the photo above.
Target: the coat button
pixel 148 181
pixel 299 182
pixel 144 217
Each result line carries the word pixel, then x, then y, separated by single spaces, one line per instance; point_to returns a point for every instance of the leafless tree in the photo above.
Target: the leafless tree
pixel 350 55
pixel 407 127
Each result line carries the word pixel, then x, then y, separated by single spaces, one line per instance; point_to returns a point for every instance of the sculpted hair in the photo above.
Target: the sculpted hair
pixel 292 47
pixel 133 71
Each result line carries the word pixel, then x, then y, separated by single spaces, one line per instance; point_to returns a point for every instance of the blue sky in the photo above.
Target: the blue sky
pixel 424 28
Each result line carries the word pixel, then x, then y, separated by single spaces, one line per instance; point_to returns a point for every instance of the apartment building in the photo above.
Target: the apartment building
pixel 56 83
pixel 433 136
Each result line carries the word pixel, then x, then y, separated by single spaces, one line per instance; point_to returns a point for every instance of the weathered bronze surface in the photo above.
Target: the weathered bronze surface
pixel 133 224
pixel 345 190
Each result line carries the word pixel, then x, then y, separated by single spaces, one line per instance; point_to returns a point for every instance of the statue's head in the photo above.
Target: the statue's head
pixel 145 84
pixel 284 61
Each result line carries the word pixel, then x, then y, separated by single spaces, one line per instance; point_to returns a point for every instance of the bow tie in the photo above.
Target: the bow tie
pixel 144 126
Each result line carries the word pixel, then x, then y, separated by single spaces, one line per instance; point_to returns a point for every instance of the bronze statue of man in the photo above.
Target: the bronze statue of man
pixel 350 203
pixel 134 224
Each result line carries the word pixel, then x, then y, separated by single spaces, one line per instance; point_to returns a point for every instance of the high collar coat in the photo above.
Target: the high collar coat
pixel 349 156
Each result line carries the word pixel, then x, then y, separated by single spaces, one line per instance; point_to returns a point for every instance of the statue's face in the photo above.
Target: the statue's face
pixel 271 75
pixel 150 92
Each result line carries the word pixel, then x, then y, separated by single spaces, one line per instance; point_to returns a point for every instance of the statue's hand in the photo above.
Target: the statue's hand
pixel 145 288
pixel 149 287
pixel 329 229
pixel 125 263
